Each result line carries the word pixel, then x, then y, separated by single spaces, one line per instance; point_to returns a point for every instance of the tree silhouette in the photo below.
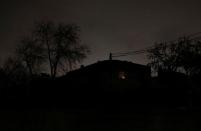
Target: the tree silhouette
pixel 182 55
pixel 12 65
pixel 61 45
pixel 30 52
pixel 15 71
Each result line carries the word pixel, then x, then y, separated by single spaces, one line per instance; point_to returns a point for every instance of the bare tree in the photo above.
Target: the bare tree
pixel 15 70
pixel 163 56
pixel 29 52
pixel 61 43
pixel 183 55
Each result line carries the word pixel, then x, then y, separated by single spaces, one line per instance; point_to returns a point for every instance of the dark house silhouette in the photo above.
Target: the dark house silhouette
pixel 110 74
pixel 172 89
pixel 120 82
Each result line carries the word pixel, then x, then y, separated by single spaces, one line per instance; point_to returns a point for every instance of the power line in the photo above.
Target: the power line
pixel 193 36
pixel 128 53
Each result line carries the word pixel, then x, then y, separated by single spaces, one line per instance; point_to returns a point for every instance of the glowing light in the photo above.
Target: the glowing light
pixel 122 75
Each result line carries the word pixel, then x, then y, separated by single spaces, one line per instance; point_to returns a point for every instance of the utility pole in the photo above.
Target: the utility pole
pixel 110 56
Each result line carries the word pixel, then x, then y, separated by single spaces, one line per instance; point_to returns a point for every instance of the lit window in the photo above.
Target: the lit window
pixel 122 75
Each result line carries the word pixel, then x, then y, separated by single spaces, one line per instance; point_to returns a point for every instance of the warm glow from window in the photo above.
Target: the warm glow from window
pixel 122 75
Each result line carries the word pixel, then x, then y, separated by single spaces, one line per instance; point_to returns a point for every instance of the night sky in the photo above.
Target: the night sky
pixel 107 25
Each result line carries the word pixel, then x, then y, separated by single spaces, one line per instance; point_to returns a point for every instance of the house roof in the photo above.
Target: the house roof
pixel 110 66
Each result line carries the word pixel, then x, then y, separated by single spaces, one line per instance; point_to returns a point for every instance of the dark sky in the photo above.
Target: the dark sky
pixel 107 25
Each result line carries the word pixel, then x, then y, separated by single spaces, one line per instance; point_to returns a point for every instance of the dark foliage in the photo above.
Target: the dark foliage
pixel 104 102
pixel 57 46
pixel 183 55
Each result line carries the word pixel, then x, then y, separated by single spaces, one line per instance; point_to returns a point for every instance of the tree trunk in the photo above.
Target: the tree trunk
pixel 49 55
pixel 30 68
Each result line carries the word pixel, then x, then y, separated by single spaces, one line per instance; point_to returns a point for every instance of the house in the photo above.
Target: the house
pixel 110 74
